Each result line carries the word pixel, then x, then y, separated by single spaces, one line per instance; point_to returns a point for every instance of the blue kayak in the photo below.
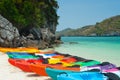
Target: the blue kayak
pixel 82 76
pixel 54 72
pixel 50 54
pixel 23 55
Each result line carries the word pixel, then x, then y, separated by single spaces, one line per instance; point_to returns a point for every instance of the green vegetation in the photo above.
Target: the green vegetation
pixel 30 13
pixel 108 27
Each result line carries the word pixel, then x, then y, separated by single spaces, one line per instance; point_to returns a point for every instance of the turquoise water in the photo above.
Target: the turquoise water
pixel 97 48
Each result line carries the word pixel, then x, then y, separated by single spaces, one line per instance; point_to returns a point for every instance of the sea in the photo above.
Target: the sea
pixel 104 49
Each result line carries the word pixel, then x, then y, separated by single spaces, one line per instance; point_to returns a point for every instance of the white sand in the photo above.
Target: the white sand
pixel 9 72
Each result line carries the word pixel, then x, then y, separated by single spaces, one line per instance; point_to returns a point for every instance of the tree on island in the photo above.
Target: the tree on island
pixel 30 13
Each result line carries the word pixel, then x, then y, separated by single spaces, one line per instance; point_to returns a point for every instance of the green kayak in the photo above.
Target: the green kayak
pixel 87 63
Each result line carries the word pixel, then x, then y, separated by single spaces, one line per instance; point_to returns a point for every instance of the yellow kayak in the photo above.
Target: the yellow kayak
pixel 20 49
pixel 27 50
pixel 54 60
pixel 58 60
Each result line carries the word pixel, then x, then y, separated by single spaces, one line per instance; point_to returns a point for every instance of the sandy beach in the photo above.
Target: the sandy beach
pixel 9 72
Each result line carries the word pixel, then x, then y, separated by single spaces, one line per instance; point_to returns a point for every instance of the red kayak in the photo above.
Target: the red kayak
pixel 69 59
pixel 12 61
pixel 24 64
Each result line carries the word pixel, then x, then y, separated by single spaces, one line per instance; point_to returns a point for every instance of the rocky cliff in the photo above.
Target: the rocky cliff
pixel 32 37
pixel 8 33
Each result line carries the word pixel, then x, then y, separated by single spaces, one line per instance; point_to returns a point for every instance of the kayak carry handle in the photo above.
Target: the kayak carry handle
pixel 63 73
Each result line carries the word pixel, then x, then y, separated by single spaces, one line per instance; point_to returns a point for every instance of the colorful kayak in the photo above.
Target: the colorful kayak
pixel 112 70
pixel 54 72
pixel 13 61
pixel 103 66
pixel 45 52
pixel 79 59
pixel 87 63
pixel 23 64
pixel 47 55
pixel 21 55
pixel 60 66
pixel 113 74
pixel 66 61
pixel 21 49
pixel 81 76
pixel 40 68
pixel 69 60
pixel 58 56
pixel 54 60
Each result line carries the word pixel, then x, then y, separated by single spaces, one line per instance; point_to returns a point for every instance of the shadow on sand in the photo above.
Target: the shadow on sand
pixel 35 75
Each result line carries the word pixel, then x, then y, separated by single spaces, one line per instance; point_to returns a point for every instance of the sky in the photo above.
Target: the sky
pixel 78 13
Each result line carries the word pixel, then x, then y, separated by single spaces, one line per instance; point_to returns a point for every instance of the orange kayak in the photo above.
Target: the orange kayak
pixel 58 56
pixel 60 67
pixel 40 68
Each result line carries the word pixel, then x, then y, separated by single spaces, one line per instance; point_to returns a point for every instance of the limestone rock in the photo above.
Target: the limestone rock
pixel 7 33
pixel 40 37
